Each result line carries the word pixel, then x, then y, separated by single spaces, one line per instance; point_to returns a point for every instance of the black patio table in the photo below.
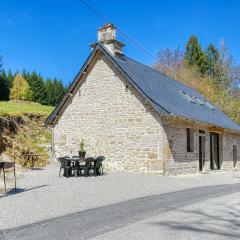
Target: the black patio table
pixel 75 160
pixel 74 164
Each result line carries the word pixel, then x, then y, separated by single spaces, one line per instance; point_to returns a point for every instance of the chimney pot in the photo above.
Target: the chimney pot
pixel 107 37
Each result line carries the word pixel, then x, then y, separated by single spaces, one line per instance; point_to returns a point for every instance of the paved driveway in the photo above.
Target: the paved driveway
pixel 107 205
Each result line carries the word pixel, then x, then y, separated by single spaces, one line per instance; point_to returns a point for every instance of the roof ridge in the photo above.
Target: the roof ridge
pixel 160 105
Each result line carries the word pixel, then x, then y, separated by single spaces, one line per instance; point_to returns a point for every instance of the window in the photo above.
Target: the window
pixel 209 105
pixel 199 101
pixel 196 100
pixel 190 138
pixel 187 97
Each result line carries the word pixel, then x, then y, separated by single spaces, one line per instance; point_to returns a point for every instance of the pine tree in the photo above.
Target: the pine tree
pixel 4 87
pixel 59 90
pixel 38 90
pixel 212 60
pixel 193 54
pixel 1 63
pixel 10 78
pixel 55 91
pixel 20 89
pixel 50 92
pixel 4 83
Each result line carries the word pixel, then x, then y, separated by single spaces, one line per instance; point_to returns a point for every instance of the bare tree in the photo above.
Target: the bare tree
pixel 169 62
pixel 229 73
pixel 170 58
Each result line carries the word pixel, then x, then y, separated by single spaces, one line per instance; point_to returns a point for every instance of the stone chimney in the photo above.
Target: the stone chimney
pixel 107 37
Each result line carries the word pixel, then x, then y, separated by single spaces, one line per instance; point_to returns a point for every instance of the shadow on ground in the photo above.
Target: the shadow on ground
pixel 19 190
pixel 224 222
pixel 36 168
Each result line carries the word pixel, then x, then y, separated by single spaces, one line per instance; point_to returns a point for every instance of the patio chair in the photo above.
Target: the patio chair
pixel 64 162
pixel 85 168
pixel 8 167
pixel 92 168
pixel 98 167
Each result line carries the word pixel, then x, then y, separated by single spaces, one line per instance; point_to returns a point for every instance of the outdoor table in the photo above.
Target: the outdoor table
pixel 91 164
pixel 6 165
pixel 75 160
pixel 74 164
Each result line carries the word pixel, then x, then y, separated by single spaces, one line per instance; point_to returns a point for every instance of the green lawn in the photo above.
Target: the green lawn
pixel 14 107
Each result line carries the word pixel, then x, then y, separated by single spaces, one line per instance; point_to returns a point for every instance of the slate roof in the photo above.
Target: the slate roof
pixel 166 95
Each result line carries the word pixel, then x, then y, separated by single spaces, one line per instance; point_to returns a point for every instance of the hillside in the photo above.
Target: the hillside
pixel 22 132
pixel 22 107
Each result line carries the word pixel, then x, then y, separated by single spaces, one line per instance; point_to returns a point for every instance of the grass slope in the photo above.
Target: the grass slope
pixel 30 135
pixel 21 107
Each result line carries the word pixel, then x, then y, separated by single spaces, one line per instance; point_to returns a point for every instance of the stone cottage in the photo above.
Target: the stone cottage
pixel 139 119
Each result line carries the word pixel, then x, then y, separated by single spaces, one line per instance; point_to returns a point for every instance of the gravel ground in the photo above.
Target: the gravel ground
pixel 42 195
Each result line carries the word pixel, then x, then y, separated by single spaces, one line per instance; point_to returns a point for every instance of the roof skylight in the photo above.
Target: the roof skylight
pixel 196 100
pixel 187 97
pixel 209 105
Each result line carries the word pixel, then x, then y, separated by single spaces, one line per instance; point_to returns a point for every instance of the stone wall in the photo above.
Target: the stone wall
pixel 114 121
pixel 228 141
pixel 181 162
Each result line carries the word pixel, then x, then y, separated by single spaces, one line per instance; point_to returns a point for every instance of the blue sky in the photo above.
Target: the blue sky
pixel 52 36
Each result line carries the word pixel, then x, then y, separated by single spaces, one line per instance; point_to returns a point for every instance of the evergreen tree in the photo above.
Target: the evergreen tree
pixel 20 89
pixel 212 60
pixel 4 87
pixel 4 84
pixel 59 90
pixel 1 63
pixel 38 90
pixel 25 75
pixel 30 86
pixel 50 92
pixel 10 78
pixel 55 91
pixel 193 54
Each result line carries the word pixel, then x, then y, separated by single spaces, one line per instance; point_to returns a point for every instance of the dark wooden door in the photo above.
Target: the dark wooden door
pixel 201 152
pixel 214 151
pixel 235 156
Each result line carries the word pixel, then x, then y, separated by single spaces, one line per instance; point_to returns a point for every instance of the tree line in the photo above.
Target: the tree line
pixel 30 86
pixel 212 71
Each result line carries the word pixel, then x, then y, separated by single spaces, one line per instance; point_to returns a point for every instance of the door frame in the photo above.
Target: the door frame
pixel 235 155
pixel 201 157
pixel 211 153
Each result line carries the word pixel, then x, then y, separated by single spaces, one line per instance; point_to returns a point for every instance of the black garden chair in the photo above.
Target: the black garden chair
pixel 64 162
pixel 98 167
pixel 8 167
pixel 86 167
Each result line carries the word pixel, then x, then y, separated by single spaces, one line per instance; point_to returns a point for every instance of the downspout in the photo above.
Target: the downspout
pixel 51 152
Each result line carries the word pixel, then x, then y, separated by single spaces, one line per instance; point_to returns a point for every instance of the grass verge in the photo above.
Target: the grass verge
pixel 22 107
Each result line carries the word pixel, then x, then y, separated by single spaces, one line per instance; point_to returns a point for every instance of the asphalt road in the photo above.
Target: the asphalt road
pixel 90 223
